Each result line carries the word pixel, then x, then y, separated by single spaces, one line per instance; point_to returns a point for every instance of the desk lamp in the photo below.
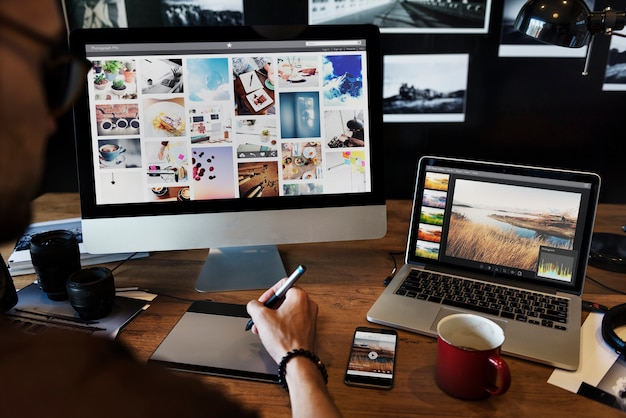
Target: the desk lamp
pixel 567 23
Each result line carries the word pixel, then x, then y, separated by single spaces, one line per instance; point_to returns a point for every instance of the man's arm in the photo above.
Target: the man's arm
pixel 291 327
pixel 307 390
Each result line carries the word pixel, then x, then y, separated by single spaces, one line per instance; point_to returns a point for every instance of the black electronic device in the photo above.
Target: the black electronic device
pixel 372 358
pixel 614 318
pixel 272 162
pixel 8 295
pixel 92 292
pixel 608 252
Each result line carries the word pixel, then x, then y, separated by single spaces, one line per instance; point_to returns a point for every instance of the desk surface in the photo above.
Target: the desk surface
pixel 344 278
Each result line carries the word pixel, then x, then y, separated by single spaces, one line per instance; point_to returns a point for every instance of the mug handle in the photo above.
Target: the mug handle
pixel 502 369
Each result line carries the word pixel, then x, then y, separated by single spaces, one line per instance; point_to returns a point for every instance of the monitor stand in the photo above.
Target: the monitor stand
pixel 241 268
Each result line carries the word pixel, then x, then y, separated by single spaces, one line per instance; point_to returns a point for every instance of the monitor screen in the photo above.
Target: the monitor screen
pixel 236 139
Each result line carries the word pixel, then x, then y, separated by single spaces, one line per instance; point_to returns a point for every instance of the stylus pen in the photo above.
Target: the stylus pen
pixel 279 296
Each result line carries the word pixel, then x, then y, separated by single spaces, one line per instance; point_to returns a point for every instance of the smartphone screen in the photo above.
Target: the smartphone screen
pixel 372 358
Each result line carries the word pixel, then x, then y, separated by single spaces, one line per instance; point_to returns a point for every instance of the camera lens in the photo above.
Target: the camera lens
pixel 92 292
pixel 55 256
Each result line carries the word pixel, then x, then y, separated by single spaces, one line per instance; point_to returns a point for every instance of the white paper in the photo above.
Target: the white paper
pixel 250 81
pixel 596 358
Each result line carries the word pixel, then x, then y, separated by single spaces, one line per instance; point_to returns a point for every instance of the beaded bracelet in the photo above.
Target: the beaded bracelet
pixel 282 366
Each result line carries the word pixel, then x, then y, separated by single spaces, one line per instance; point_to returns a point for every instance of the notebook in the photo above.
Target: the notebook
pixel 502 229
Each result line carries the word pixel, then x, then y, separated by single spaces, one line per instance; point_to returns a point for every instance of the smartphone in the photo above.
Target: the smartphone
pixel 372 358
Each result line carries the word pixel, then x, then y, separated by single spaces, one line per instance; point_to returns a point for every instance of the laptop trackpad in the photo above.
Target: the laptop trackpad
pixel 443 312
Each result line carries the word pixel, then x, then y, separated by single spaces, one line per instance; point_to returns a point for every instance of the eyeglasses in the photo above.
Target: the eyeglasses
pixel 62 74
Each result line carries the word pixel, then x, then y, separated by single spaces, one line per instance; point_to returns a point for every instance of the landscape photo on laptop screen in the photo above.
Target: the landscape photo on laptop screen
pixel 200 121
pixel 505 224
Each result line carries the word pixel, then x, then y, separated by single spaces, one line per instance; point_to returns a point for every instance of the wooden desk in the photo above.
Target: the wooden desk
pixel 345 278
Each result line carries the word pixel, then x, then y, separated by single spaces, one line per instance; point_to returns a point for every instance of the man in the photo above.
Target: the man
pixel 357 135
pixel 65 375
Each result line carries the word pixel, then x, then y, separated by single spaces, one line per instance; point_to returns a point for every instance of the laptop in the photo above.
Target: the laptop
pixel 508 242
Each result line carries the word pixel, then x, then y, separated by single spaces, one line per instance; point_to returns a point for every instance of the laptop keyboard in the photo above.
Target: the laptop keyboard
pixel 506 302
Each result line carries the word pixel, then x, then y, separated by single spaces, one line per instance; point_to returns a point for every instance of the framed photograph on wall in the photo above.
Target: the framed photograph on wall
pixel 93 14
pixel 202 12
pixel 615 72
pixel 425 87
pixel 392 16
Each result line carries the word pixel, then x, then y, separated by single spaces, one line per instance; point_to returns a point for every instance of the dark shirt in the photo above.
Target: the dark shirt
pixel 67 374
pixel 358 134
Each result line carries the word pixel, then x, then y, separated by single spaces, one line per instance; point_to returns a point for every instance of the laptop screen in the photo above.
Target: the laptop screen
pixel 523 223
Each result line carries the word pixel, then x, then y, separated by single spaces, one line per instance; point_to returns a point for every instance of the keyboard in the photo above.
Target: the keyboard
pixel 506 302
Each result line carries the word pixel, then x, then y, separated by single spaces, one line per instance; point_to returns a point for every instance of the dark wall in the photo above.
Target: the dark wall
pixel 525 110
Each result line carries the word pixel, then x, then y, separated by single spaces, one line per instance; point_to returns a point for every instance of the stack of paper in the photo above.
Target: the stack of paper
pixel 601 374
pixel 20 262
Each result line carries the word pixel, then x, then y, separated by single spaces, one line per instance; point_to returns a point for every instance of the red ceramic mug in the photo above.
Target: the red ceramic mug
pixel 469 365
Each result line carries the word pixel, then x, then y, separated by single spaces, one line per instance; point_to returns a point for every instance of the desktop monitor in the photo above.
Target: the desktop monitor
pixel 235 139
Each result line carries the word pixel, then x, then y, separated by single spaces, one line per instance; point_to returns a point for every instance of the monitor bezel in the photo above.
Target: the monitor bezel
pixel 589 204
pixel 84 143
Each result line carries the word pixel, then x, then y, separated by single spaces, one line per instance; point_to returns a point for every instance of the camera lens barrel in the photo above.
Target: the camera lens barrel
pixel 92 292
pixel 55 257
